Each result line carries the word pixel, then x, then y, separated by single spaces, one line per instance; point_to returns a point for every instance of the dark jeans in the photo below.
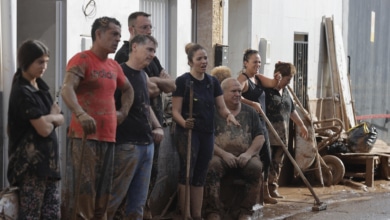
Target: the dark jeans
pixel 202 147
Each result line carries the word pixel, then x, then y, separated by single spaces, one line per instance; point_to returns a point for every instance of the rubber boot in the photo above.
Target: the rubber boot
pixel 182 202
pixel 196 202
pixel 273 191
pixel 267 197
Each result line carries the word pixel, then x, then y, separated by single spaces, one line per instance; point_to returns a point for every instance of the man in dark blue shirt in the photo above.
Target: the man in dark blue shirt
pixel 135 137
pixel 160 81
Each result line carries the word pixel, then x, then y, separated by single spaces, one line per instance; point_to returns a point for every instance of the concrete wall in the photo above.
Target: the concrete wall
pixel 180 29
pixel 238 23
pixel 204 28
pixel 79 25
pixel 277 21
pixel 239 35
pixel 49 28
pixel 31 26
pixel 180 32
pixel 20 22
pixel 209 27
pixel 65 26
pixel 369 51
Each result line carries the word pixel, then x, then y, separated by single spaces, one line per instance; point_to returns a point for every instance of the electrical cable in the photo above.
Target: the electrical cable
pixel 89 10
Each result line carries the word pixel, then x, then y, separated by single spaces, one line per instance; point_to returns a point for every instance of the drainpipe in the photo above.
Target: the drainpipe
pixel 8 68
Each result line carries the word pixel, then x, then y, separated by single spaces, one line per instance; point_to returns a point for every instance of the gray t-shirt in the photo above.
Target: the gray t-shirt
pixel 237 140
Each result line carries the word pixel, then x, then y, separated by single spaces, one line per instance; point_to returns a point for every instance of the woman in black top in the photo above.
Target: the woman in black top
pixel 207 96
pixel 253 84
pixel 33 148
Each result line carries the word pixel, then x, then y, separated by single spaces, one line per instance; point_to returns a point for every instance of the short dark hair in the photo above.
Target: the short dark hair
pixel 141 39
pixel 102 23
pixel 248 53
pixel 286 69
pixel 133 16
pixel 29 51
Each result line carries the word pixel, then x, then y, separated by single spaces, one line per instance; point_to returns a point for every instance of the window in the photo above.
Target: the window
pixel 300 63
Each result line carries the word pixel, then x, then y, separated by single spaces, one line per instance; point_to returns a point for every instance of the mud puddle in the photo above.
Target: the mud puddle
pixel 298 201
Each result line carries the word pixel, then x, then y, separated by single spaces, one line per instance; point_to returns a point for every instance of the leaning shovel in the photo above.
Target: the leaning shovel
pixel 318 206
pixel 187 188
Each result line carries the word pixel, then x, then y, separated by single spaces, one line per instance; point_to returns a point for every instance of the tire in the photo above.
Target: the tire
pixel 336 167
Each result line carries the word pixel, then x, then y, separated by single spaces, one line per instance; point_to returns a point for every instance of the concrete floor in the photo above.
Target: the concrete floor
pixel 342 202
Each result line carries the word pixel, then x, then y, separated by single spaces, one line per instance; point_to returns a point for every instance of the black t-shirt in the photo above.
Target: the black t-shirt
pixel 152 70
pixel 27 103
pixel 136 128
pixel 122 55
pixel 205 92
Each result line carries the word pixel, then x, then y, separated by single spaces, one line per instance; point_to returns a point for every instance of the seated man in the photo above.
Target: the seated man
pixel 235 148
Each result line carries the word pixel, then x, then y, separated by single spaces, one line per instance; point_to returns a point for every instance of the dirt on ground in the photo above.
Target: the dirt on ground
pixel 299 200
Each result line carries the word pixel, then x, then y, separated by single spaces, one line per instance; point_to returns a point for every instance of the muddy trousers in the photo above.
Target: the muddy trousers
pixel 133 165
pixel 277 162
pixel 218 168
pixel 39 198
pixel 95 180
pixel 265 154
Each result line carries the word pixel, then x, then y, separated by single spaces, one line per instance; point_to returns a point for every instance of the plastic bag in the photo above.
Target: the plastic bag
pixel 338 147
pixel 9 203
pixel 361 138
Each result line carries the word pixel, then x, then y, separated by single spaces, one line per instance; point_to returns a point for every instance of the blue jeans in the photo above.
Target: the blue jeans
pixel 132 168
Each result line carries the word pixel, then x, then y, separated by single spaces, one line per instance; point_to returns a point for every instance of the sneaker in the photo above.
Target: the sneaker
pixel 213 216
pixel 244 217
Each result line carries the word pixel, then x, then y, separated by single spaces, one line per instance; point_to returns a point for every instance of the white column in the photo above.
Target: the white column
pixel 183 35
pixel 8 67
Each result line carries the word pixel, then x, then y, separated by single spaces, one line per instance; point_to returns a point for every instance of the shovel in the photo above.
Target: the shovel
pixel 318 205
pixel 187 188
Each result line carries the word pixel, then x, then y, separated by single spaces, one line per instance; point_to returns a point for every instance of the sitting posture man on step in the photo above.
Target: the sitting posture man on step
pixel 236 149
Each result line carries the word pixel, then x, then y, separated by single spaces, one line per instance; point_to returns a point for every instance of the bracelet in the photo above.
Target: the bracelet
pixel 80 114
pixel 157 127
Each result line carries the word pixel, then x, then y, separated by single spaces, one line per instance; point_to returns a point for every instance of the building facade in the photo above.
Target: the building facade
pixel 282 30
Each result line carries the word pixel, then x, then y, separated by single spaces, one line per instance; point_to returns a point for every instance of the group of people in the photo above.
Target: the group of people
pixel 254 153
pixel 116 128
